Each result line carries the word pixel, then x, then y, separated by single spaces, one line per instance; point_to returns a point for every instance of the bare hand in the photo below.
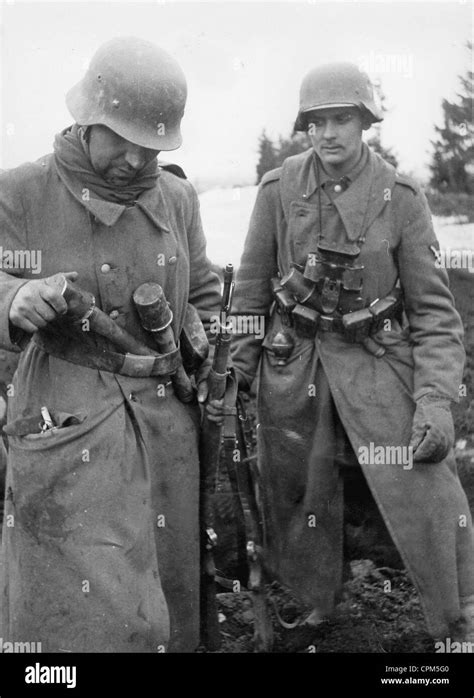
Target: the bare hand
pixel 215 411
pixel 37 303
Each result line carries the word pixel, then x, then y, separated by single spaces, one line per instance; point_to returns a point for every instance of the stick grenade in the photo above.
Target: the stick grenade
pixel 156 317
pixel 81 307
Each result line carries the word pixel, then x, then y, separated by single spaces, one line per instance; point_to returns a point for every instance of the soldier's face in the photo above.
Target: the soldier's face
pixel 117 160
pixel 336 135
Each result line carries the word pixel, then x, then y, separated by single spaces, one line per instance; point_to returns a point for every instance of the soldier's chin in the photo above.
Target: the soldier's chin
pixel 118 180
pixel 333 157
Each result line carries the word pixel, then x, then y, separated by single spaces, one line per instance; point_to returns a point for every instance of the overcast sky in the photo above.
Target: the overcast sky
pixel 244 62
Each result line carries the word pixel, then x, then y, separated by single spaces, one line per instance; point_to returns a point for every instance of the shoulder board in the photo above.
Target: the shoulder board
pixel 271 176
pixel 174 169
pixel 407 182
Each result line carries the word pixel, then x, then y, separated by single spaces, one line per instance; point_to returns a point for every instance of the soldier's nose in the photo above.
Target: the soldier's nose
pixel 135 156
pixel 329 131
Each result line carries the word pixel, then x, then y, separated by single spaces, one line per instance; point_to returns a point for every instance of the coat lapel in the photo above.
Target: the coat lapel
pixel 363 201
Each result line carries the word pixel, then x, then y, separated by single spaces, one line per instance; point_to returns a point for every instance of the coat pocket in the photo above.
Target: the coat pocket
pixel 28 428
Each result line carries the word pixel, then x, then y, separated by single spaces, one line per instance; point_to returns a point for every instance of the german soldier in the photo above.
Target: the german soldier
pixel 361 360
pixel 103 475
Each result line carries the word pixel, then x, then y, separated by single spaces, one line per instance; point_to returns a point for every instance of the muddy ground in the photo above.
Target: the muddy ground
pixel 379 610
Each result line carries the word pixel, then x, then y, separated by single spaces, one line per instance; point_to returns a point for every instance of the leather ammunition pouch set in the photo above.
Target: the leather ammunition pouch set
pixel 326 295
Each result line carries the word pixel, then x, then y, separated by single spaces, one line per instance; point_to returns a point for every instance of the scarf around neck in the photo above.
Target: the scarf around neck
pixel 76 171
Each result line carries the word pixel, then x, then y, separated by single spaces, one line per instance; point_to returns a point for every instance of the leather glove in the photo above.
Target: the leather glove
pixel 432 434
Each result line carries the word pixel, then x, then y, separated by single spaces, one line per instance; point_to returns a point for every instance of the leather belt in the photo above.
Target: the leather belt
pixel 330 324
pixel 105 360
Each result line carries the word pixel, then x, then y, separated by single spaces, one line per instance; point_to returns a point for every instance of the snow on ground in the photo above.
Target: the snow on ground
pixel 454 236
pixel 225 217
pixel 226 214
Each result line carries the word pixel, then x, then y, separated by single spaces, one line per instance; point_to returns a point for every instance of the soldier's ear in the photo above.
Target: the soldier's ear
pixel 366 119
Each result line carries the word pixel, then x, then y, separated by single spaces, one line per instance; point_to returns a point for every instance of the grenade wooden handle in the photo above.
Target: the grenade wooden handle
pixel 81 307
pixel 156 317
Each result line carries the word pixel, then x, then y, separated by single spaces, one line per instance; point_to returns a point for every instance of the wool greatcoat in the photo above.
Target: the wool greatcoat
pixel 424 507
pixel 101 544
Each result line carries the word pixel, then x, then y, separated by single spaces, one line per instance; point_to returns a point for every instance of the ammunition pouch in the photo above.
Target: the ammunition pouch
pixel 297 302
pixel 326 295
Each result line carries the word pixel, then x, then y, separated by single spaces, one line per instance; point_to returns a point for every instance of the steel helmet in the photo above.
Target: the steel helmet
pixel 134 88
pixel 336 85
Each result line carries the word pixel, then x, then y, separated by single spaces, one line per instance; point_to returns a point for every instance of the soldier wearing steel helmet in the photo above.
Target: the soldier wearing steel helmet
pixel 361 360
pixel 103 484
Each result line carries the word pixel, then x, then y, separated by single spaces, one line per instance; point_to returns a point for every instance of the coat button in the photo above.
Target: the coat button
pixel 105 268
pixel 172 260
pixel 337 188
pixel 114 314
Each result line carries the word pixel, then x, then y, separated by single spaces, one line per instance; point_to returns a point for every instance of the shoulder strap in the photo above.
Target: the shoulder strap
pixel 174 169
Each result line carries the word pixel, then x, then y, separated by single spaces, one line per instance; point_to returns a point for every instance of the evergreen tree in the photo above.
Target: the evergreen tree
pixel 452 167
pixel 267 156
pixel 298 143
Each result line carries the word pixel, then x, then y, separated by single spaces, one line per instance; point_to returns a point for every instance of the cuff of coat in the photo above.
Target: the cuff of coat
pixel 435 398
pixel 11 337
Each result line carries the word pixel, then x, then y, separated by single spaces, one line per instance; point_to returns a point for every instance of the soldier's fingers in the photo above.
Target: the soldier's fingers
pixel 428 450
pixel 71 275
pixel 218 404
pixel 215 407
pixel 219 420
pixel 202 391
pixel 53 298
pixel 40 314
pixel 417 436
pixel 24 324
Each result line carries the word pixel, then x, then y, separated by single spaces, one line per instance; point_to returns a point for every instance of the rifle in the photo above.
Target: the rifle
pixel 245 476
pixel 210 446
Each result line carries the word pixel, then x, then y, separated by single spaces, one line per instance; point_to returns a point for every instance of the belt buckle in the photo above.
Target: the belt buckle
pixel 326 323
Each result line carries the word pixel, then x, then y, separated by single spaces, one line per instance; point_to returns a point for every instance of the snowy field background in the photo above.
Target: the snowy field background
pixel 226 214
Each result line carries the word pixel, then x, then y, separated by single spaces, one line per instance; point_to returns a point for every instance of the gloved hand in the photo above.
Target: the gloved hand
pixel 432 433
pixel 36 303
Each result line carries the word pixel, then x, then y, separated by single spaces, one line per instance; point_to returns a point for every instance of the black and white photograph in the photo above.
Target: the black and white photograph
pixel 237 341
